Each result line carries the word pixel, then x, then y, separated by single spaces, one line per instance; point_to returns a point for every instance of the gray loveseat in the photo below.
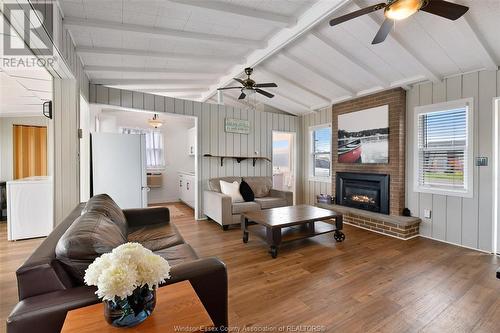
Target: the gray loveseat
pixel 219 207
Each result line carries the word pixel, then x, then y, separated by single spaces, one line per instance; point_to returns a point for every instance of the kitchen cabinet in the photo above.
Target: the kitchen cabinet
pixel 187 188
pixel 192 141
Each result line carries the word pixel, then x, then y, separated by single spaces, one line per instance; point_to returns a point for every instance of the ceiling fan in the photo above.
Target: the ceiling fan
pixel 250 86
pixel 395 10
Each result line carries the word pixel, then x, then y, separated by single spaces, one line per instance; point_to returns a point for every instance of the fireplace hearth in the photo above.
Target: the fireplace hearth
pixel 365 191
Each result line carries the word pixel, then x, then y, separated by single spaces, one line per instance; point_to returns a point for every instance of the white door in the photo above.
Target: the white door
pixel 119 168
pixel 284 167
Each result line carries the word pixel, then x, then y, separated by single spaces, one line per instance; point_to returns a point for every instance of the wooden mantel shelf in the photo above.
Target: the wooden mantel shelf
pixel 238 158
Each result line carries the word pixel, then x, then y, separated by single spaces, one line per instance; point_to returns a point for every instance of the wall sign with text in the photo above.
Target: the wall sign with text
pixel 239 126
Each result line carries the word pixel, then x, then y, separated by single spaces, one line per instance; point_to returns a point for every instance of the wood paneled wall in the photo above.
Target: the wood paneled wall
pixel 463 221
pixel 212 139
pixel 311 188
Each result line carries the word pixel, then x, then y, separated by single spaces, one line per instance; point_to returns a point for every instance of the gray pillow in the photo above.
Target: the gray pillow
pixel 102 203
pixel 90 235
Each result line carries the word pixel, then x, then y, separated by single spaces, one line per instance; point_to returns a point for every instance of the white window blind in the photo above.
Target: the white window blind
pixel 444 150
pixel 155 154
pixel 321 139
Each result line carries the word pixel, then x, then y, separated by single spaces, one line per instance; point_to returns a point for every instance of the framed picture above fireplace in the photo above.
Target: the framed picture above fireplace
pixel 363 136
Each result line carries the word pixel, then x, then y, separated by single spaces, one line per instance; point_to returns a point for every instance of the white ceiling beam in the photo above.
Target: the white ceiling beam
pixel 126 69
pixel 228 8
pixel 134 82
pixel 155 54
pixel 407 50
pixel 318 12
pixel 295 83
pixel 477 43
pixel 318 73
pixel 78 22
pixel 349 58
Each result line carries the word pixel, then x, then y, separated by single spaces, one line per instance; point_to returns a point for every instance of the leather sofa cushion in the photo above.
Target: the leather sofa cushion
pixel 214 183
pixel 177 254
pixel 103 204
pixel 156 236
pixel 242 207
pixel 271 202
pixel 260 185
pixel 91 235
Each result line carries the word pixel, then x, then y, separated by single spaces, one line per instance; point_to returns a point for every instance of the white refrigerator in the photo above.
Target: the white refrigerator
pixel 119 168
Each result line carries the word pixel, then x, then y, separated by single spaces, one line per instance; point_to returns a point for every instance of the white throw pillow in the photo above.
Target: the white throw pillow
pixel 231 189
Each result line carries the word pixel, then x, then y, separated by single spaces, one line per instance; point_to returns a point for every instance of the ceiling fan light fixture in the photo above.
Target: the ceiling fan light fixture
pixel 155 121
pixel 248 91
pixel 401 9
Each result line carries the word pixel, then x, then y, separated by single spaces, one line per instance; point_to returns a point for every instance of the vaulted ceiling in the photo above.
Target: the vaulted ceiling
pixel 189 48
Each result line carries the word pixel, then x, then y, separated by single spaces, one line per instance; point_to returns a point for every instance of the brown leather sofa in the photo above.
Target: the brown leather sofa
pixel 50 282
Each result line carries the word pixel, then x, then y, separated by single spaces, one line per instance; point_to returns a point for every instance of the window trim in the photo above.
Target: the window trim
pixel 310 154
pixel 468 168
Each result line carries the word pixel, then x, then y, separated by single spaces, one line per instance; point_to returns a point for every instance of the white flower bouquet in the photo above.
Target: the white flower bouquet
pixel 128 267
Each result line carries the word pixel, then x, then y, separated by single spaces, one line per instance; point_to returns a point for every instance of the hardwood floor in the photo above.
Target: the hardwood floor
pixel 369 283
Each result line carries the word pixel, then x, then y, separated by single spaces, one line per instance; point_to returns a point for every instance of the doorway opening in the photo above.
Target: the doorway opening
pixel 284 162
pixel 170 157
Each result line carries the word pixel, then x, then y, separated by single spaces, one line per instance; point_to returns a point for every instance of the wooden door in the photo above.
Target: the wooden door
pixel 30 151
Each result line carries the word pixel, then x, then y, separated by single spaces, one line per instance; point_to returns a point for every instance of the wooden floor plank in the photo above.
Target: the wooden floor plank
pixel 369 283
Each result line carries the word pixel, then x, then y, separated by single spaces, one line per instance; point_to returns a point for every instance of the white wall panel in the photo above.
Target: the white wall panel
pixel 463 221
pixel 309 189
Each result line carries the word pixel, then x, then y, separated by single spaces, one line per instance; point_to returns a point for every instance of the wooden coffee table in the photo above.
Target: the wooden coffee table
pixel 291 223
pixel 178 309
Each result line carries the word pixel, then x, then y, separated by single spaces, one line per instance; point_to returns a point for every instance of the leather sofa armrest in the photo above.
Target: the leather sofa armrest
pixel 218 207
pixel 208 277
pixel 287 195
pixel 49 271
pixel 46 313
pixel 138 217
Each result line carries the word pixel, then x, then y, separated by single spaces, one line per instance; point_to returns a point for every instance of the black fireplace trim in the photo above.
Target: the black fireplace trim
pixel 383 179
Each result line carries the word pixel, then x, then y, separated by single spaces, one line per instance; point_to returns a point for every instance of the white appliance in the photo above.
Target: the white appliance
pixel 119 168
pixel 30 208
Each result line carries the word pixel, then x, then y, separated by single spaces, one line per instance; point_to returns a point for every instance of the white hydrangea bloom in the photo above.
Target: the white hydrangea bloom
pixel 127 267
pixel 118 280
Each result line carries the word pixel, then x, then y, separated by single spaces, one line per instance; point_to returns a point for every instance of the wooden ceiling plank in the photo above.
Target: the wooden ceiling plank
pixel 154 32
pixel 227 8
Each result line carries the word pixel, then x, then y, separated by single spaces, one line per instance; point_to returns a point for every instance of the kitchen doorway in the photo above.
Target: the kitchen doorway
pixel 284 162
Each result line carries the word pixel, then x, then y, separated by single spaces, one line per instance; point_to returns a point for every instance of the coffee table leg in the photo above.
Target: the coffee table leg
pixel 273 236
pixel 244 227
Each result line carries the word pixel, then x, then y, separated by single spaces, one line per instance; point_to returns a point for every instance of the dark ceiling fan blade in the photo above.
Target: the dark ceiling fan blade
pixel 242 96
pixel 384 31
pixel 226 88
pixel 265 85
pixel 265 93
pixel 239 80
pixel 357 13
pixel 451 11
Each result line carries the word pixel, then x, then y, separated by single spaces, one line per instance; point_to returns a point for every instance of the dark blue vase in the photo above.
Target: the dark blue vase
pixel 132 310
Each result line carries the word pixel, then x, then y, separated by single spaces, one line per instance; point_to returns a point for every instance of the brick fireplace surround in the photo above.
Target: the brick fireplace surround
pixel 394 224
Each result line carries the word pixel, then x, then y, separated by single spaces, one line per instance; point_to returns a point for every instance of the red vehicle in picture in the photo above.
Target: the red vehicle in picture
pixel 350 152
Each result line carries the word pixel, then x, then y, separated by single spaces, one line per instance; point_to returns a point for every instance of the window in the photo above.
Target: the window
pixel 321 159
pixel 444 156
pixel 155 154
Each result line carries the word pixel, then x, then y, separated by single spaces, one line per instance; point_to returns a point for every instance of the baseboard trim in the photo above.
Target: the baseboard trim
pixel 381 233
pixel 456 244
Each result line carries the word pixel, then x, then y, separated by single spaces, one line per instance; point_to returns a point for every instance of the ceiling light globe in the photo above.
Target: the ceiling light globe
pixel 401 9
pixel 248 91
